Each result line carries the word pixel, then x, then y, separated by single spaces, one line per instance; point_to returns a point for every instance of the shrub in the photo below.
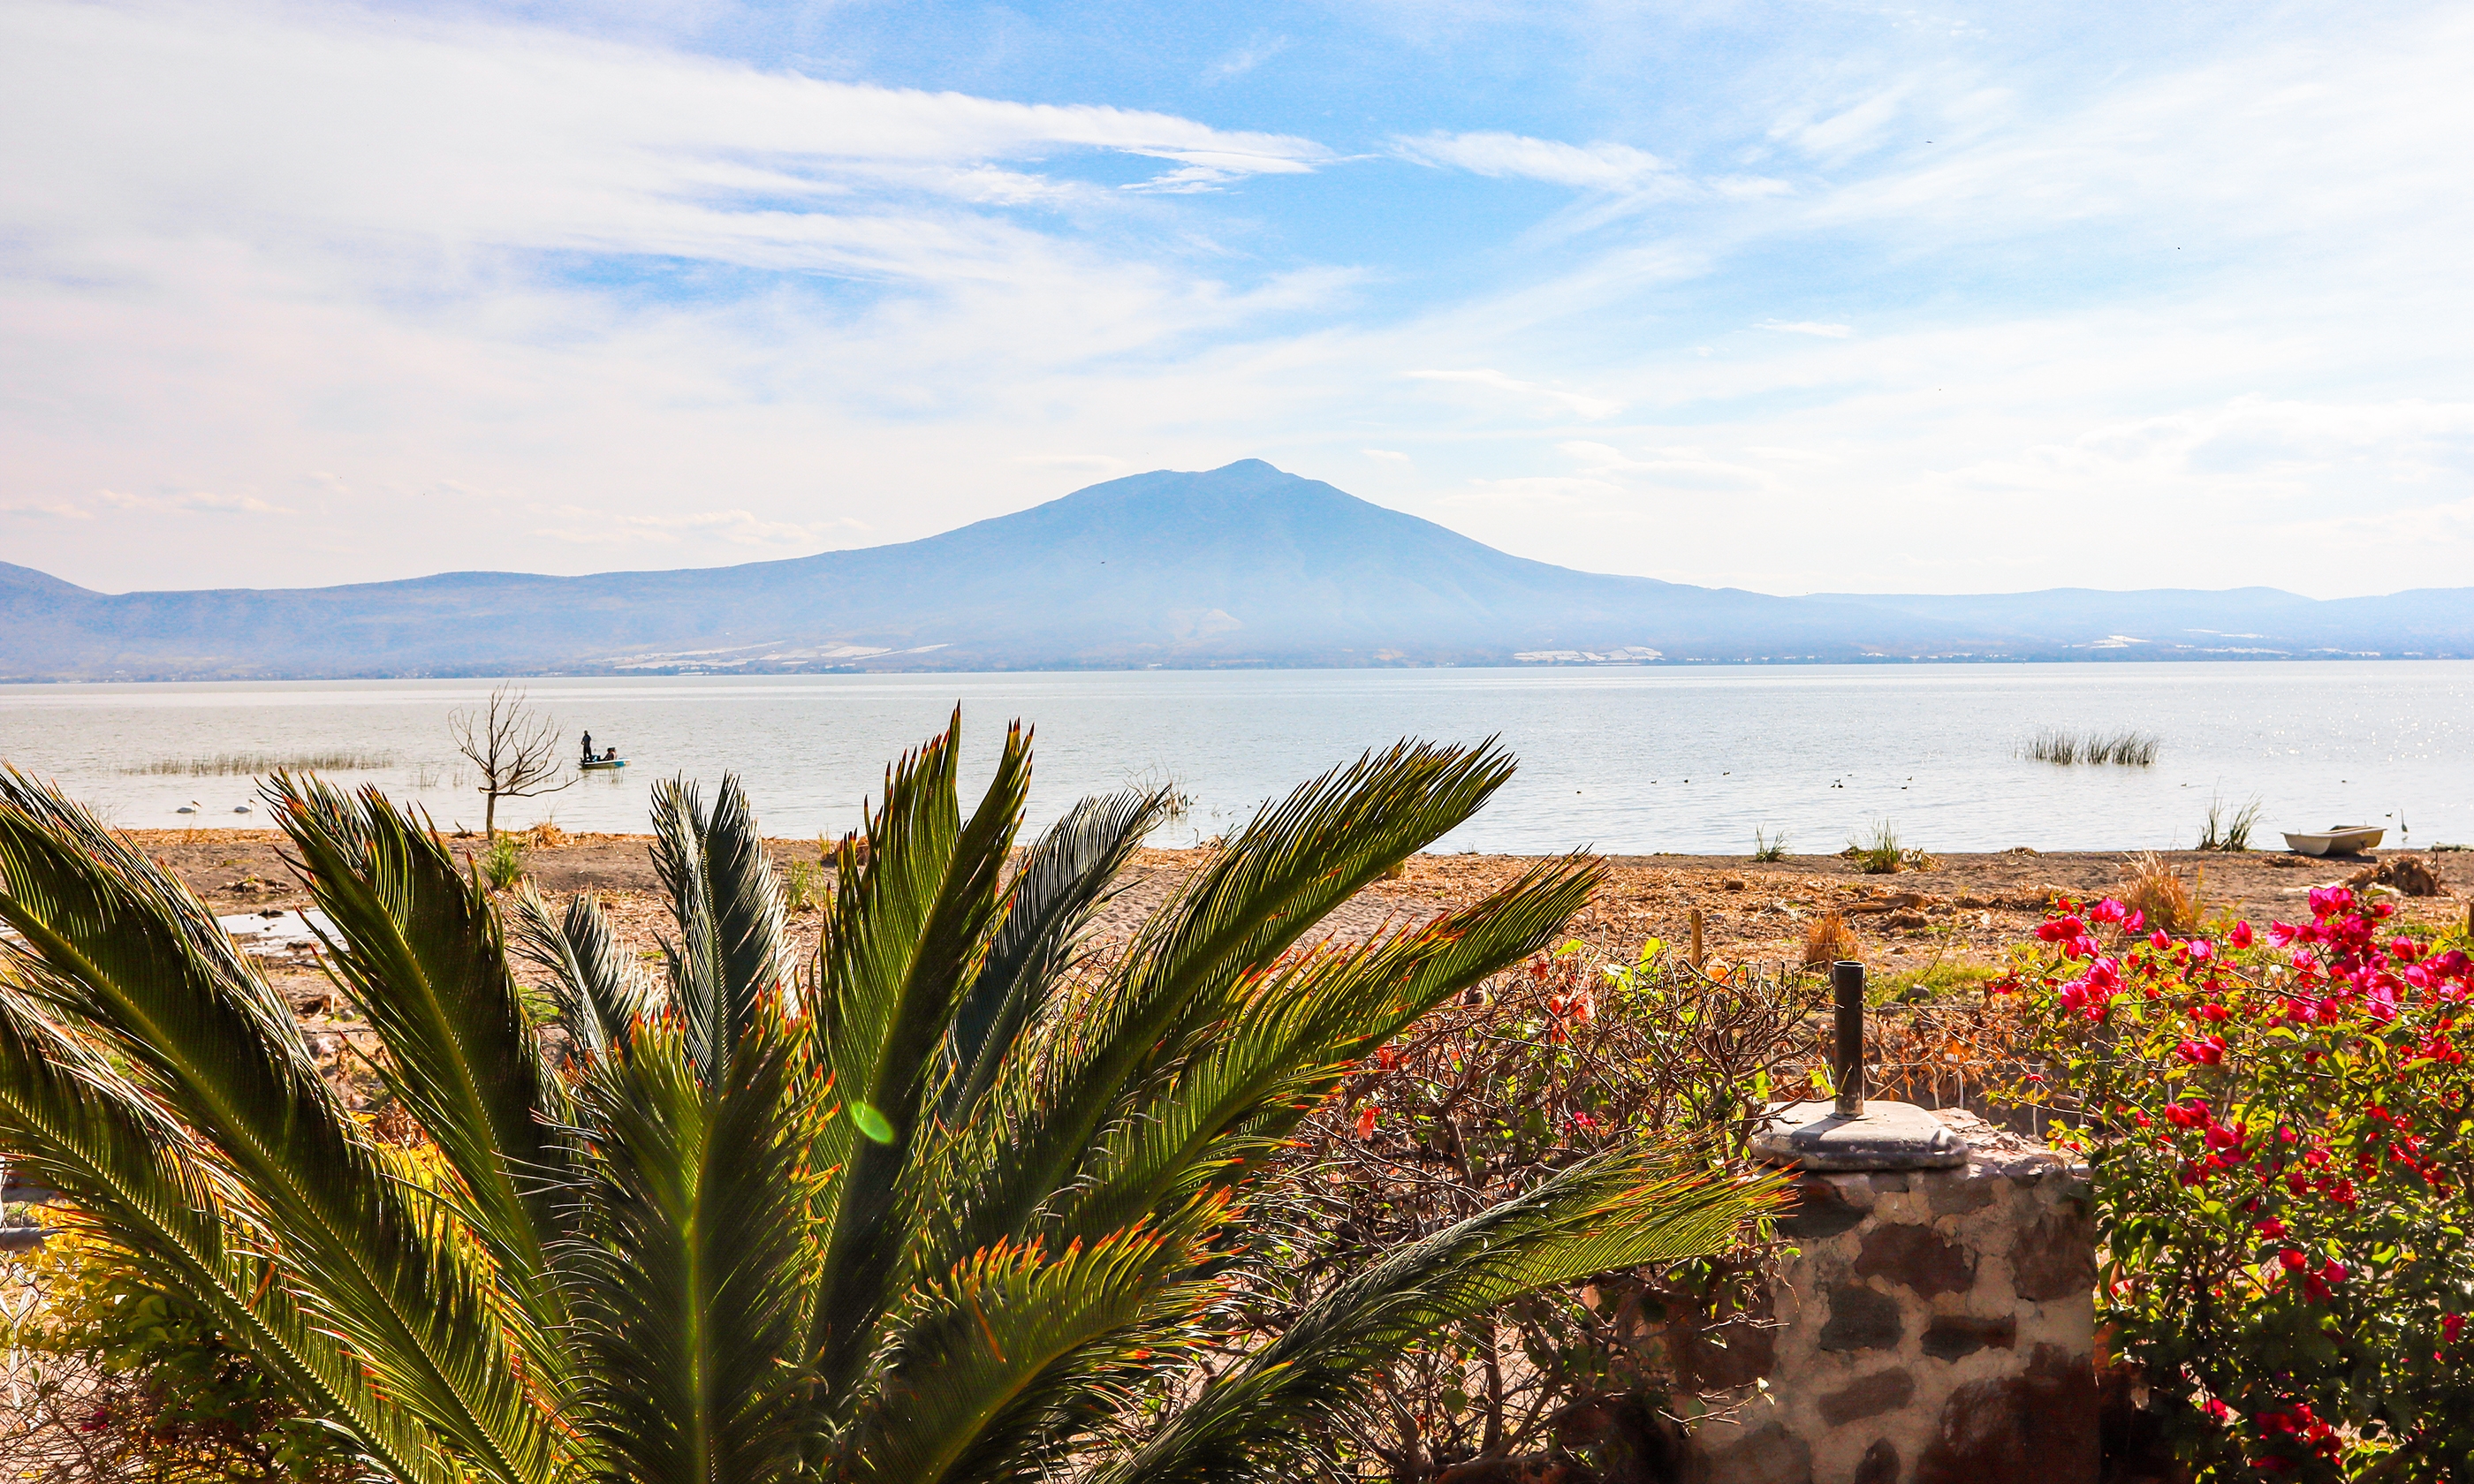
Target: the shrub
pixel 1827 938
pixel 140 1382
pixel 2150 886
pixel 2278 1128
pixel 501 864
pixel 803 887
pixel 1486 1097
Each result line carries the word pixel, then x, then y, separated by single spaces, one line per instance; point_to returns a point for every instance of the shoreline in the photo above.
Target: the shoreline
pixel 1950 921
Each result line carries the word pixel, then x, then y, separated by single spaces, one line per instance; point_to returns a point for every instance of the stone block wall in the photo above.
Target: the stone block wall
pixel 1933 1327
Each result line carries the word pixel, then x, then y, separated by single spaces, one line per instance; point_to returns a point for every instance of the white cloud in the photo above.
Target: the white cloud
pixel 1391 455
pixel 1581 403
pixel 1807 327
pixel 583 526
pixel 1596 167
pixel 2136 315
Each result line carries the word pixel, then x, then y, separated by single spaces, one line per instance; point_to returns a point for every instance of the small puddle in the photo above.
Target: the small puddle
pixel 277 933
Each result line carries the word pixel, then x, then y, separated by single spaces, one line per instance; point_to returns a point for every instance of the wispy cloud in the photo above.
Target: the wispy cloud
pixel 578 525
pixel 1597 167
pixel 1807 327
pixel 1578 402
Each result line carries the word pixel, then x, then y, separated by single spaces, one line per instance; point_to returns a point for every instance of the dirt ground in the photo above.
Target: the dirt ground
pixel 1965 909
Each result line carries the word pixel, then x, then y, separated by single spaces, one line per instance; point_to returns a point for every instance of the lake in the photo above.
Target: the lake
pixel 1624 759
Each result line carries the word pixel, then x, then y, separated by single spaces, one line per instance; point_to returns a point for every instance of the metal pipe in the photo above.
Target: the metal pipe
pixel 1847 995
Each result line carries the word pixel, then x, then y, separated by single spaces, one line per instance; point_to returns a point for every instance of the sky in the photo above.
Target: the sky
pixel 1795 297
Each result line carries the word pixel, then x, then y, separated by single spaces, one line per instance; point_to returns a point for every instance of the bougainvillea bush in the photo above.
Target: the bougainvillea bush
pixel 2279 1123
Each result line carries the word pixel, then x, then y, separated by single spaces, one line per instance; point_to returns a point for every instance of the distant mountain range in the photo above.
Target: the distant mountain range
pixel 1244 566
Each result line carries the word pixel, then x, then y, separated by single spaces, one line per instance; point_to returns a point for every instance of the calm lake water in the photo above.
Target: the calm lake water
pixel 1630 760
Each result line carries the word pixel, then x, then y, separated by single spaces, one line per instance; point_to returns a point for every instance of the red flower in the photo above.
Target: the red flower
pixel 2240 935
pixel 1366 1121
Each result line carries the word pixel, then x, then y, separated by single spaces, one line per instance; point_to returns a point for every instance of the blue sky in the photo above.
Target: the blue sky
pixel 1795 297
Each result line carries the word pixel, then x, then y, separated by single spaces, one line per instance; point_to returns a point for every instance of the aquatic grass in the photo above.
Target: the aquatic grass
pixel 1767 846
pixel 1878 852
pixel 2129 749
pixel 224 765
pixel 2229 832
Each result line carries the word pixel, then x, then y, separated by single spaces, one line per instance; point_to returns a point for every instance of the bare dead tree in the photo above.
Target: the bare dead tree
pixel 515 747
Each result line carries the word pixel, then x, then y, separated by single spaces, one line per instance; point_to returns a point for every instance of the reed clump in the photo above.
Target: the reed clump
pixel 1878 852
pixel 2128 749
pixel 224 765
pixel 2229 831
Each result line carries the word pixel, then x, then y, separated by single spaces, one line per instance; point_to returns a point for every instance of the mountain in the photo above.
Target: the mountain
pixel 1240 565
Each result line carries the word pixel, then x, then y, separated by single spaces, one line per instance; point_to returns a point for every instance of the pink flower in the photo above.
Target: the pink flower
pixel 2160 940
pixel 2207 1051
pixel 2240 935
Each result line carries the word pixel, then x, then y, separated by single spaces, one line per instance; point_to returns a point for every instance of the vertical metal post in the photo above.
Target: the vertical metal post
pixel 1847 994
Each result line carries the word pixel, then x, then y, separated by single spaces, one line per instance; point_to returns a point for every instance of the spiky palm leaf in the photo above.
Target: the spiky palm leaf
pixel 948 1203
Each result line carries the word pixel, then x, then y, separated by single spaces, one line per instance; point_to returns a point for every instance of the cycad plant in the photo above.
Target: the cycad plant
pixel 950 1201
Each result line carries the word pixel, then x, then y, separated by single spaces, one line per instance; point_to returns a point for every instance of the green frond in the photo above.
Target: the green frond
pixel 598 988
pixel 417 946
pixel 71 1121
pixel 726 903
pixel 120 949
pixel 1191 965
pixel 1621 1209
pixel 1287 1045
pixel 691 1284
pixel 1007 1365
pixel 1068 876
pixel 908 930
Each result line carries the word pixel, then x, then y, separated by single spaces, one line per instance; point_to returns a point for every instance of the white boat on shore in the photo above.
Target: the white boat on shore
pixel 2334 840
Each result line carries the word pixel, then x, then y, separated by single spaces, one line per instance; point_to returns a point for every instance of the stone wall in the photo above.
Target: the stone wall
pixel 1932 1327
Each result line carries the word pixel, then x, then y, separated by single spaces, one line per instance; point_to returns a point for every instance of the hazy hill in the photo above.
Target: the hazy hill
pixel 1240 565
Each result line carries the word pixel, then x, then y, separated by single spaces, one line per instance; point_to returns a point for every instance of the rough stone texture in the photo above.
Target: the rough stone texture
pixel 1820 1210
pixel 1934 1326
pixel 1953 1335
pixel 1860 1319
pixel 1764 1454
pixel 1880 1463
pixel 1918 1259
pixel 2027 1429
pixel 1871 1397
pixel 2055 1257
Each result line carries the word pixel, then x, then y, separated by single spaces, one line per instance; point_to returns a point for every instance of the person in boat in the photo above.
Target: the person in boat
pixel 611 755
pixel 588 747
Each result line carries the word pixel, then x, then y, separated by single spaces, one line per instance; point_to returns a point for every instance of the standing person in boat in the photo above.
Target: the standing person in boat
pixel 588 747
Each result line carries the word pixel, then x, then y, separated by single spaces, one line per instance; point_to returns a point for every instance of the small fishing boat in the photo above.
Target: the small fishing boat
pixel 603 764
pixel 2334 840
